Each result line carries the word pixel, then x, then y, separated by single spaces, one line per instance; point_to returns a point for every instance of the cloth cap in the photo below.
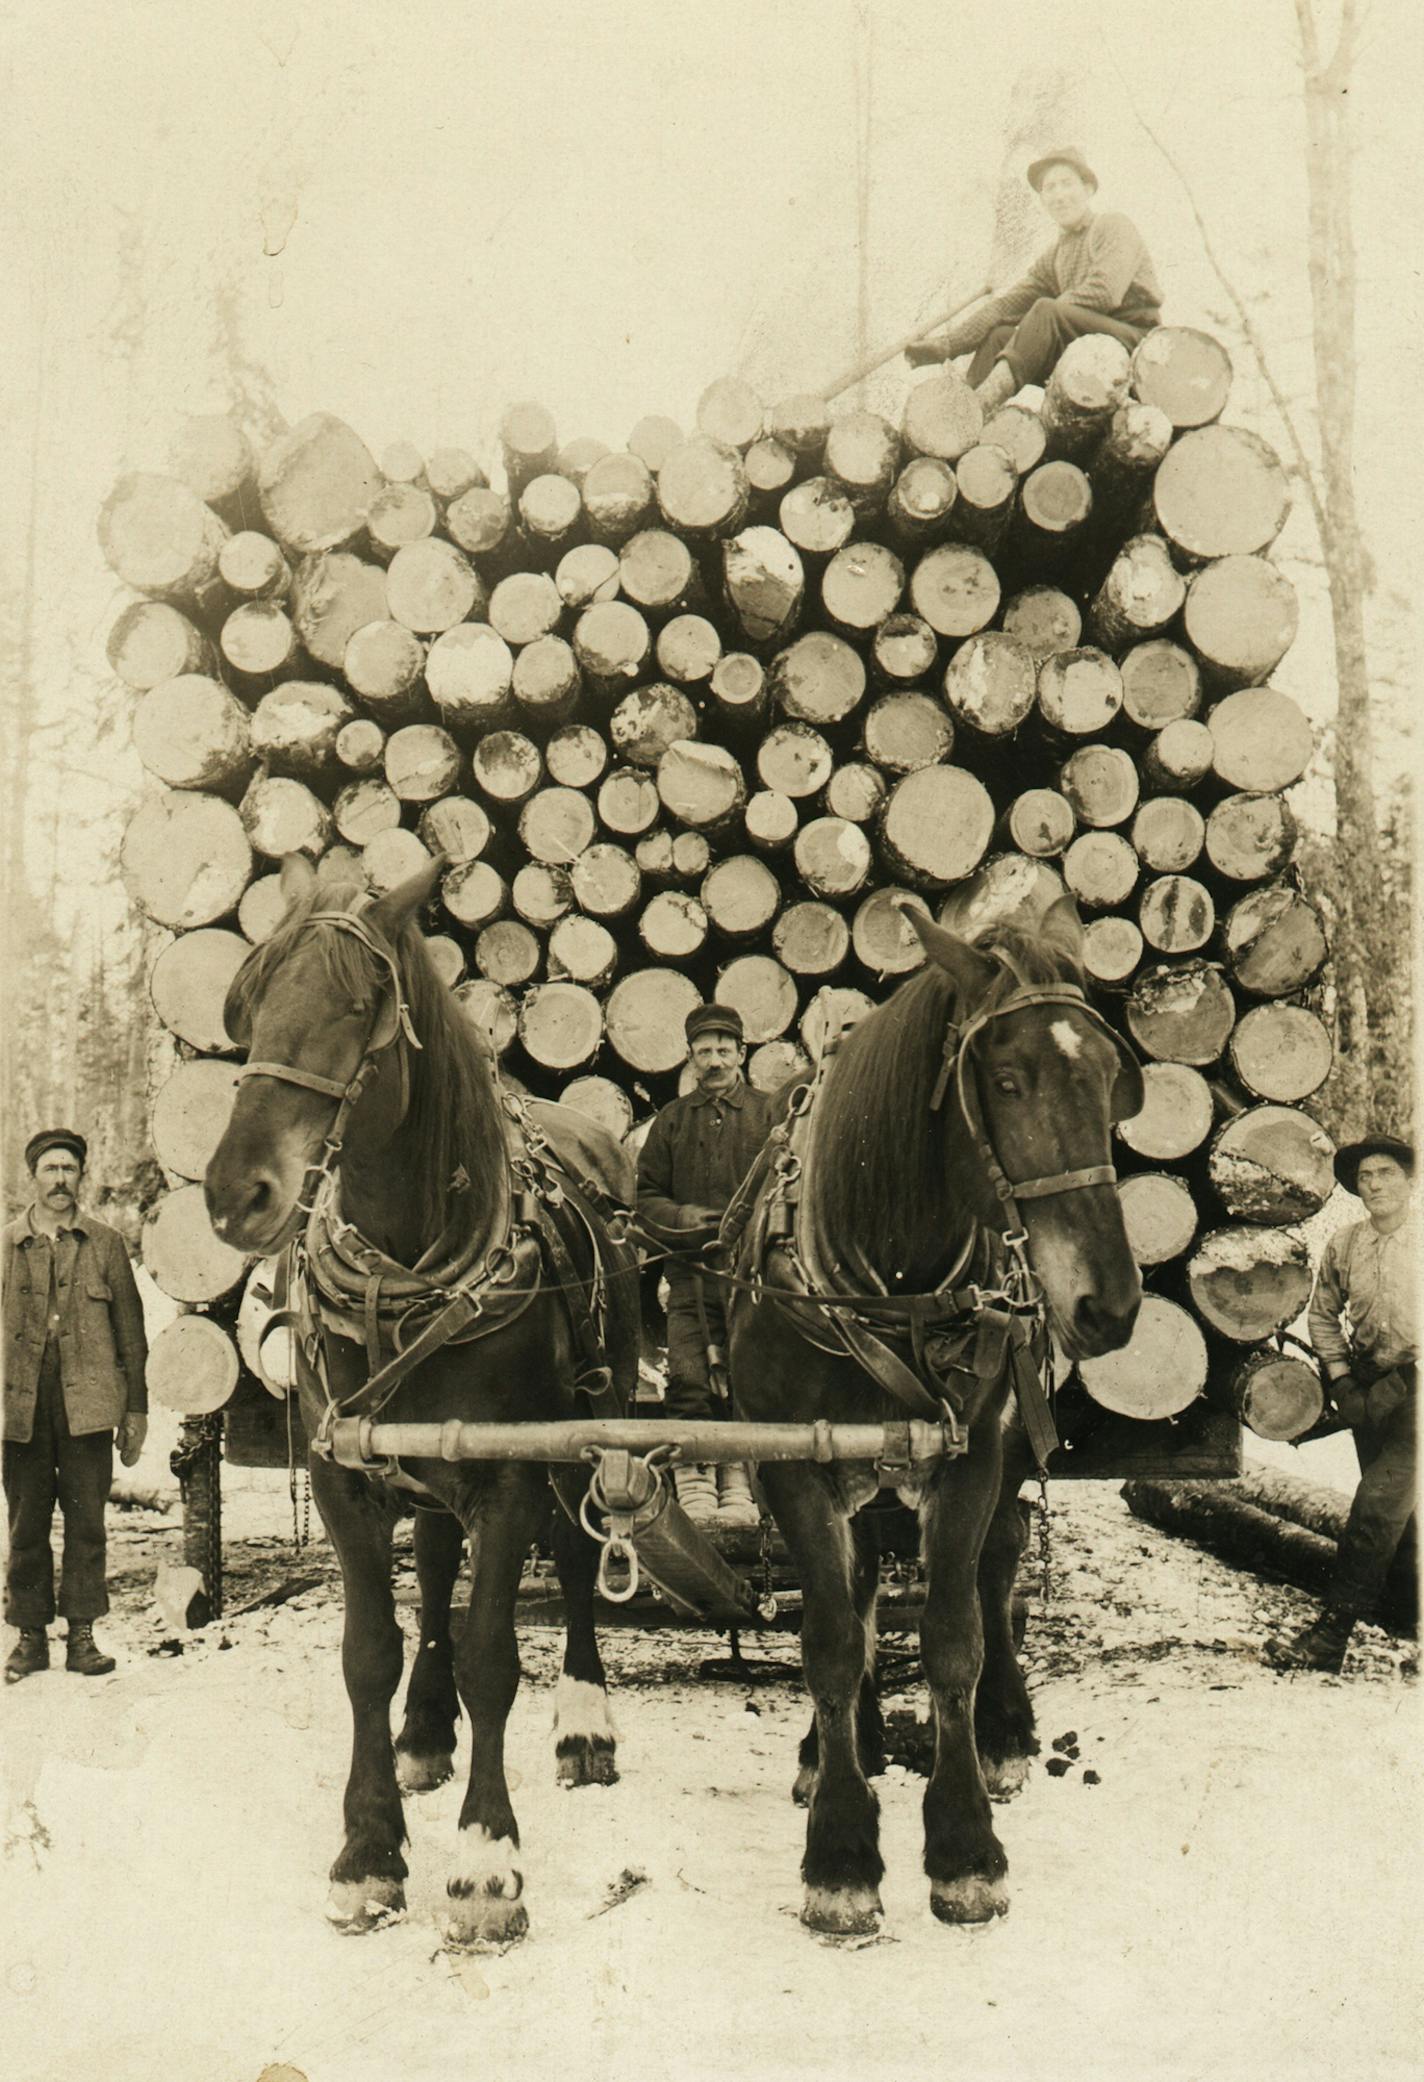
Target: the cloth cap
pixel 1068 155
pixel 1349 1159
pixel 56 1138
pixel 713 1019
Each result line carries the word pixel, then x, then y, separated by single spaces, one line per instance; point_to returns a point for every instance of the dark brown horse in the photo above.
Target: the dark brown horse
pixel 369 1105
pixel 987 1068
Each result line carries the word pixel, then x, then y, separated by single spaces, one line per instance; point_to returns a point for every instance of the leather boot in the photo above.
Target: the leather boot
pixel 736 1506
pixel 82 1652
pixel 1320 1646
pixel 696 1492
pixel 29 1654
pixel 997 388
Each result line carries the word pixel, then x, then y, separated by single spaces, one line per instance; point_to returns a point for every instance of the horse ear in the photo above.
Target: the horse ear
pixel 298 879
pixel 963 964
pixel 392 913
pixel 1062 927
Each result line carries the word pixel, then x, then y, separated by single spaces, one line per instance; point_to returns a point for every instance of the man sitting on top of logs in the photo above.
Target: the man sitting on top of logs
pixel 698 1151
pixel 1362 1328
pixel 1097 277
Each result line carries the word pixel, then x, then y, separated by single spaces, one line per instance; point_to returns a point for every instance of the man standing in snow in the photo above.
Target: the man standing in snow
pixel 74 1375
pixel 1097 277
pixel 1362 1325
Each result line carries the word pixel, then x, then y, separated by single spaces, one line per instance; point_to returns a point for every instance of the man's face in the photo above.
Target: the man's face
pixel 57 1176
pixel 1383 1186
pixel 716 1060
pixel 1066 196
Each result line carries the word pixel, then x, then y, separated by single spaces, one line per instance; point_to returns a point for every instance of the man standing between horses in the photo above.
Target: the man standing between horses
pixel 1362 1325
pixel 698 1151
pixel 74 1375
pixel 1097 277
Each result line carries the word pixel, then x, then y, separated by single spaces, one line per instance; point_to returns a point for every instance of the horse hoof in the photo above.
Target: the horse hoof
pixel 486 1892
pixel 842 1911
pixel 974 1899
pixel 355 1906
pixel 583 1760
pixel 1005 1777
pixel 481 1924
pixel 422 1774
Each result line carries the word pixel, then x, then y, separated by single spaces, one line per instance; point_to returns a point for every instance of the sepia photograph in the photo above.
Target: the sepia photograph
pixel 710 1257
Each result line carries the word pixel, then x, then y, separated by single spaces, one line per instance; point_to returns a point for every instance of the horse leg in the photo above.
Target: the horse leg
pixel 1003 1711
pixel 366 1879
pixel 425 1746
pixel 584 1736
pixel 869 1720
pixel 963 1857
pixel 486 1883
pixel 842 1866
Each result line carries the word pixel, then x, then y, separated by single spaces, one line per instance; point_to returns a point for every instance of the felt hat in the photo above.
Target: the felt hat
pixel 1066 155
pixel 1349 1159
pixel 56 1138
pixel 713 1019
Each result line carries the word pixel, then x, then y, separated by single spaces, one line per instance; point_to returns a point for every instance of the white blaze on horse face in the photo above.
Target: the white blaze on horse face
pixel 1069 1043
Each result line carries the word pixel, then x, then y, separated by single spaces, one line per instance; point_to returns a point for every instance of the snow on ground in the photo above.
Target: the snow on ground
pixel 1229 1899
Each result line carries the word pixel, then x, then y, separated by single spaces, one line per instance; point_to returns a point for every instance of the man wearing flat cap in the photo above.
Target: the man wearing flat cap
pixel 1096 277
pixel 74 1376
pixel 1362 1326
pixel 698 1151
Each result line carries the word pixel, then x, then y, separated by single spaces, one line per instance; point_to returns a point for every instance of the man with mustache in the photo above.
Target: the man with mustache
pixel 74 1376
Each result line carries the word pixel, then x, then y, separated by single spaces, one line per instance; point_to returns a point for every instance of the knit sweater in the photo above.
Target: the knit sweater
pixel 1103 266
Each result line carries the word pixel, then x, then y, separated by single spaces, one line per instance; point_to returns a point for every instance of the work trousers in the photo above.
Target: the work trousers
pixel 1380 1515
pixel 1032 344
pixel 695 1320
pixel 51 1467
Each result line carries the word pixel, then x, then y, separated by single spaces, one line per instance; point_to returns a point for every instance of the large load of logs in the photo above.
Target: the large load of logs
pixel 685 718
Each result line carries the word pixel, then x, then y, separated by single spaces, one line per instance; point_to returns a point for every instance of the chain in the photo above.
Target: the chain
pixel 301 1514
pixel 1045 1558
pixel 766 1604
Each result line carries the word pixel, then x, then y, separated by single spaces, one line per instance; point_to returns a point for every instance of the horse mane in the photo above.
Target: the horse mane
pixel 882 1180
pixel 454 1120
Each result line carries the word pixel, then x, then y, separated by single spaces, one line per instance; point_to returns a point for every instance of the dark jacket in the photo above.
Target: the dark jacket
pixel 102 1346
pixel 698 1151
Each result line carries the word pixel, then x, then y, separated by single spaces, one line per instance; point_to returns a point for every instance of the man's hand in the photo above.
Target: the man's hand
pixel 701 1223
pixel 1349 1398
pixel 921 354
pixel 132 1433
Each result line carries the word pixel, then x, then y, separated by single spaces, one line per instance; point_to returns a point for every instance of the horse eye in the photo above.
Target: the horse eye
pixel 1003 1082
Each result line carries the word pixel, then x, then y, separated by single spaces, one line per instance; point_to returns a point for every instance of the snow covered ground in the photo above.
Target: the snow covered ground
pixel 1229 1899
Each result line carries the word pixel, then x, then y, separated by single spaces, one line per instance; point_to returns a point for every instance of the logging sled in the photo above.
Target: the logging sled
pixel 862 728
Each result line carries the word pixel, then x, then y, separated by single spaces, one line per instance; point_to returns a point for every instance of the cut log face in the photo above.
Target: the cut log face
pixel 673 926
pixel 529 441
pixel 1240 618
pixel 191 1113
pixel 739 688
pixel 1281 1052
pixel 192 1366
pixel 447 958
pixel 190 983
pixel 402 463
pixel 832 1012
pixel 855 792
pixel 479 521
pixel 818 679
pixel 991 683
pixel 770 820
pixel 1019 433
pixel 811 939
pixel 382 663
pixel 1041 823
pixel 456 826
pixel 775 1064
pixel 741 896
pixel 561 1025
pixel 422 762
pixel 612 642
pixel 451 472
pixel 508 952
pixel 943 417
pixel 618 496
pixel 507 766
pixel 817 517
pixel 576 756
pixel 1168 833
pixel 294 728
pixel 182 1255
pixel 1275 942
pixel 904 732
pixel 545 680
pixel 1277 1395
pixel 987 483
pixel 654 438
pixel 541 894
pixel 936 825
pixel 550 509
pixel 186 859
pixel 770 468
pixel 361 746
pixel 1008 889
pixel 390 858
pixel 1055 501
pixel 764 993
pixel 1176 1114
pixel 1261 741
pixel 1178 757
pixel 1112 949
pixel 688 649
pixel 430 586
pixel 1043 620
pixel 1089 381
pixel 1161 684
pixel 1183 1014
pixel 259 913
pixel 861 586
pixel 628 803
pixel 649 720
pixel 474 894
pixel 1100 869
pixel 702 489
pixel 212 456
pixel 1079 691
pixel 364 808
pixel 401 513
pixel 606 881
pixel 832 857
pixel 730 412
pixel 1221 492
pixel 955 589
pixel 922 501
pixel 862 455
pixel 1176 914
pixel 491 1011
pixel 332 597
pixel 1249 837
pixel 525 606
pixel 802 422
pixel 193 733
pixel 655 572
pixel 904 649
pixel 1121 470
pixel 1159 1372
pixel 317 484
pixel 1272 1164
pixel 587 573
pixel 883 939
pixel 159 537
pixel 1099 782
pixel 1141 594
pixel 601 1101
pixel 152 642
pixel 701 785
pixel 1248 1282
pixel 1185 373
pixel 645 1015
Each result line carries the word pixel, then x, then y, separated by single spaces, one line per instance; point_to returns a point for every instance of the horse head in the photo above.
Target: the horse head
pixel 321 1009
pixel 1038 1079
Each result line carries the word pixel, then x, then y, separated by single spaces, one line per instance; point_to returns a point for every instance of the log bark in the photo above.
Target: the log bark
pixel 430 586
pixel 529 443
pixel 316 485
pixel 903 650
pixel 628 802
pixel 1176 1116
pixel 550 510
pixel 1214 1516
pixel 1040 822
pixel 509 953
pixel 1182 1014
pixel 739 689
pixel 1161 684
pixel 673 926
pixel 943 417
pixel 545 679
pixel 190 983
pixel 191 1113
pixel 860 587
pixel 365 808
pixel 361 746
pixel 955 589
pixel 818 679
pixel 587 573
pixel 1281 1052
pixel 1019 433
pixel 833 858
pixel 561 1025
pixel 645 1015
pixel 1122 469
pixel 1089 382
pixel 601 1101
pixel 817 517
pixel 656 572
pixel 294 728
pixel 181 1253
pixel 1272 1164
pixel 1185 373
pixel 856 792
pixel 456 826
pixel 988 486
pixel 862 454
pixel 1249 837
pixel 153 641
pixel 770 821
pixel 606 881
pixel 1276 1395
pixel 400 514
pixel 764 993
pixel 186 859
pixel 1220 492
pixel 702 490
pixel 1079 691
pixel 935 825
pixel 741 896
pixel 1240 618
pixel 192 1367
pixel 1274 941
pixel 647 722
pixel 474 894
pixel 525 606
pixel 1159 1372
pixel 1248 1282
pixel 382 665
pixel 612 643
pixel 1055 503
pixel 1141 594
pixel 883 940
pixel 688 649
pixel 1291 1498
pixel 192 733
pixel 904 732
pixel 1167 833
pixel 921 502
pixel 1043 620
pixel 480 521
pixel 730 413
pixel 541 894
pixel 1100 870
pixel 159 537
pixel 422 762
pixel 1099 783
pixel 507 766
pixel 1178 757
pixel 811 939
pixel 1112 949
pixel 1261 742
pixel 654 438
pixel 576 756
pixel 491 1011
pixel 764 584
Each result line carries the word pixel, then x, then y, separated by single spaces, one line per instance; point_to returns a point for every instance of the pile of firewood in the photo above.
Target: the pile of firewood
pixel 684 718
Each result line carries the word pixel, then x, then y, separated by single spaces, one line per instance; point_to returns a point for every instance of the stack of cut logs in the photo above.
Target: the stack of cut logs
pixel 688 717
